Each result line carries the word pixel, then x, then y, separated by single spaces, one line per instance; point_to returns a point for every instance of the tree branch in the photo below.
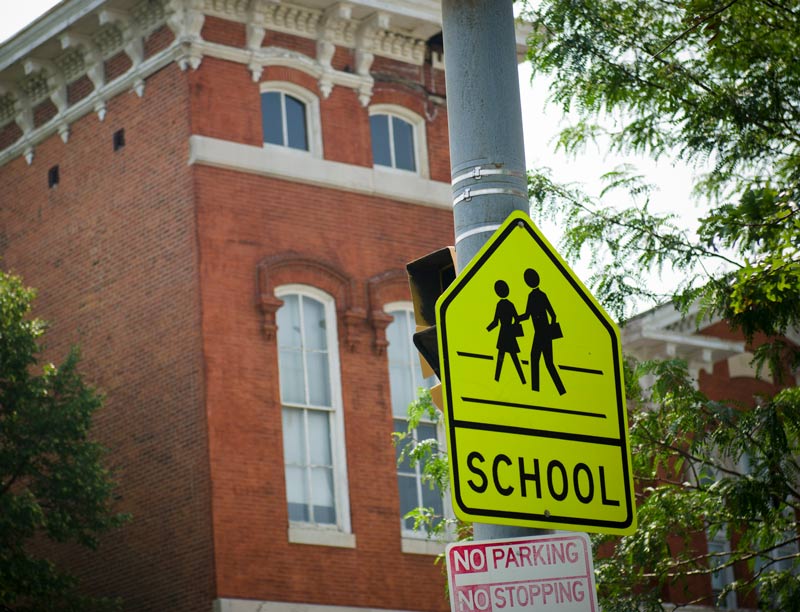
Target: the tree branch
pixel 697 24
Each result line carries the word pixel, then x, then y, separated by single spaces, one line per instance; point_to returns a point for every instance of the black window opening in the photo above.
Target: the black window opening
pixel 284 120
pixel 52 177
pixel 392 142
pixel 119 139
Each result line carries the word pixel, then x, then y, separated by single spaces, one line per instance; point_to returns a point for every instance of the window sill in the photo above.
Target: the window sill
pixel 301 166
pixel 398 171
pixel 276 149
pixel 422 546
pixel 302 534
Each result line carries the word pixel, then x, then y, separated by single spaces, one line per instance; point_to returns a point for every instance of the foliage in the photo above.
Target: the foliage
pixel 702 468
pixel 435 470
pixel 53 486
pixel 715 85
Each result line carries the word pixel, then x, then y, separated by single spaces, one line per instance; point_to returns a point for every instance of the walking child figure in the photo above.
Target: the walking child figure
pixel 510 328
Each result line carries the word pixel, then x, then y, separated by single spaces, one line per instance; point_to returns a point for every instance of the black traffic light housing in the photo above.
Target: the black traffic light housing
pixel 428 277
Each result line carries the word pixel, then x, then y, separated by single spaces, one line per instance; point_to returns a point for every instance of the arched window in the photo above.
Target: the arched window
pixel 398 139
pixel 290 117
pixel 313 428
pixel 405 378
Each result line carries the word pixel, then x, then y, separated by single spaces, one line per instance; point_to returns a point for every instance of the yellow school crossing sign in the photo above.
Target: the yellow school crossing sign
pixel 533 392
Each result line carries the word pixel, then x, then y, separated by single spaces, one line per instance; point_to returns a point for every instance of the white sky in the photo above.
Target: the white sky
pixel 540 124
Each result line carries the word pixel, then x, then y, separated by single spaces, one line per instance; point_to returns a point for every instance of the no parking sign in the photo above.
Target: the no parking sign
pixel 549 572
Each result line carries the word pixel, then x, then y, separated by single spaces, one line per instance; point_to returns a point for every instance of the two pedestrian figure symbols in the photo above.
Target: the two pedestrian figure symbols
pixel 545 329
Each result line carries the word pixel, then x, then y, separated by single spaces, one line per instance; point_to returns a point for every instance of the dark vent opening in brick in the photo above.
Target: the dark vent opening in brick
pixel 52 177
pixel 119 139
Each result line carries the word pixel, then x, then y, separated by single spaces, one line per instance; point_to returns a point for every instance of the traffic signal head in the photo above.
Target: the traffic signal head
pixel 428 277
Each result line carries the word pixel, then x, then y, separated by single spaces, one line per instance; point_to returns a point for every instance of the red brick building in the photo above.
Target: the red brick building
pixel 216 199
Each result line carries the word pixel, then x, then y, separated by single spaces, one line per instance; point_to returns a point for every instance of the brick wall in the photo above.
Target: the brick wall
pixel 245 220
pixel 241 220
pixel 151 266
pixel 111 250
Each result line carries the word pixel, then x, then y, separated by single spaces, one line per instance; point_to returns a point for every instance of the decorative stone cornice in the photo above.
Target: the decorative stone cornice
pixel 186 20
pixel 400 47
pixel 340 24
pixel 292 20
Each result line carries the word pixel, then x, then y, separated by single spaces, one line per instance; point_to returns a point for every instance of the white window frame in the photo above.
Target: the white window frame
pixel 313 122
pixel 416 541
pixel 339 534
pixel 418 130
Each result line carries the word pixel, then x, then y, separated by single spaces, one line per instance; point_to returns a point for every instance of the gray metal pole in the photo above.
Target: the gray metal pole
pixel 487 153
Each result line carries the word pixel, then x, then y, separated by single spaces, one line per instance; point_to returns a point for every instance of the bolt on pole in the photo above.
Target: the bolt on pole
pixel 487 153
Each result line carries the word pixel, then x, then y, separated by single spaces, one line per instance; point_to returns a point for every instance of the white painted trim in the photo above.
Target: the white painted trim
pixel 338 446
pixel 742 366
pixel 251 605
pixel 297 166
pixel 301 534
pixel 697 341
pixel 313 121
pixel 278 56
pixel 422 546
pixel 419 131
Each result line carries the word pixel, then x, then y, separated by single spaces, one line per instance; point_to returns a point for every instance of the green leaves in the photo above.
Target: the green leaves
pixel 52 481
pixel 434 467
pixel 705 467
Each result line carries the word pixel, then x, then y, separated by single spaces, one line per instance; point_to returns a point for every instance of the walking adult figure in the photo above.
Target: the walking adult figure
pixel 506 316
pixel 543 317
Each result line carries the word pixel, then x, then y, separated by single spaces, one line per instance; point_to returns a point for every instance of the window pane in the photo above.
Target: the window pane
pixel 290 367
pixel 299 512
pixel 403 144
pixel 319 437
pixel 288 321
pixel 319 384
pixel 294 440
pixel 314 323
pixel 402 383
pixel 296 123
pixel 272 117
pixel 402 468
pixel 718 578
pixel 400 425
pixel 432 499
pixel 379 126
pixel 290 358
pixel 322 495
pixel 296 494
pixel 402 389
pixel 395 335
pixel 408 497
pixel 426 432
